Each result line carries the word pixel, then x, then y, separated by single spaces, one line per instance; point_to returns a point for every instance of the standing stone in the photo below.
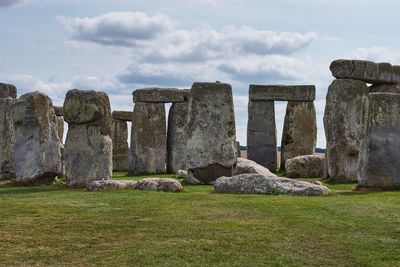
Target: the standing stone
pixel 238 150
pixel 299 135
pixel 60 128
pixel 177 137
pixel 88 147
pixel 8 90
pixel 211 146
pixel 37 149
pixel 379 155
pixel 261 134
pixel 148 139
pixel 343 128
pixel 119 136
pixel 7 139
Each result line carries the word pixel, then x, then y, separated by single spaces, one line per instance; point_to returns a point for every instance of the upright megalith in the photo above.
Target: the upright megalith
pixel 8 93
pixel 343 128
pixel 261 134
pixel 379 155
pixel 177 137
pixel 37 149
pixel 88 147
pixel 211 145
pixel 60 127
pixel 119 137
pixel 148 139
pixel 299 135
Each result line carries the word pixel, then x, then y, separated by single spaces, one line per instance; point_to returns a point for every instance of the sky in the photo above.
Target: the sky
pixel 118 46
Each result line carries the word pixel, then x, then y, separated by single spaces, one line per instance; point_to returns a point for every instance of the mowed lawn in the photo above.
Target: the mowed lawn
pixel 53 225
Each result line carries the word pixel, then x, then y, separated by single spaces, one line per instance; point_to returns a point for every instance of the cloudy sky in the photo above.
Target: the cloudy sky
pixel 121 45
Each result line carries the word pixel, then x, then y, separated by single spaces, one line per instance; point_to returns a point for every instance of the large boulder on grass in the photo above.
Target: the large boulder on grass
pixel 308 166
pixel 249 166
pixel 260 184
pixel 159 184
pixel 111 185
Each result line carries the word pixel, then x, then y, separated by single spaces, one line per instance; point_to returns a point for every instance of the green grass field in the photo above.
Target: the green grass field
pixel 53 225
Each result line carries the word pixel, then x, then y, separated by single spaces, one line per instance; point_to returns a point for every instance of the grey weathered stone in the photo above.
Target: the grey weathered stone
pixel 385 88
pixel 8 90
pixel 281 92
pixel 160 95
pixel 299 135
pixel 119 137
pixel 380 149
pixel 159 184
pixel 367 71
pixel 88 108
pixel 308 166
pixel 88 147
pixel 7 139
pixel 261 134
pixel 211 145
pixel 111 184
pixel 60 128
pixel 37 149
pixel 238 150
pixel 260 184
pixel 122 115
pixel 59 111
pixel 249 166
pixel 177 137
pixel 181 174
pixel 148 139
pixel 343 128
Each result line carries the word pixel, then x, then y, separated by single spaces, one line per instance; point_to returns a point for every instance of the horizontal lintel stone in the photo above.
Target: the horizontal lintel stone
pixel 122 115
pixel 366 71
pixel 160 95
pixel 282 92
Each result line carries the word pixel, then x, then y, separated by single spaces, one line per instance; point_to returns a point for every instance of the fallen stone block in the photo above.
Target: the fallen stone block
pixel 308 166
pixel 158 184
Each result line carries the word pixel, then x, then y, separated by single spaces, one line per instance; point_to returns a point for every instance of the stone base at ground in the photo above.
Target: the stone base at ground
pixel 260 184
pixel 308 166
pixel 249 166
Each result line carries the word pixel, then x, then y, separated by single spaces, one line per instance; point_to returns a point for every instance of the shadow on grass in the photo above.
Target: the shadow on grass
pixel 29 190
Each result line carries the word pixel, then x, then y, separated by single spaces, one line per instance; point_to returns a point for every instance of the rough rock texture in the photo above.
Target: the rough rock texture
pixel 88 147
pixel 37 149
pixel 211 145
pixel 7 139
pixel 59 111
pixel 385 88
pixel 160 95
pixel 282 92
pixel 119 137
pixel 8 90
pixel 343 128
pixel 249 166
pixel 181 174
pixel 380 150
pixel 158 184
pixel 148 139
pixel 260 184
pixel 299 135
pixel 261 134
pixel 308 166
pixel 238 150
pixel 122 115
pixel 111 184
pixel 60 128
pixel 367 71
pixel 177 137
pixel 83 107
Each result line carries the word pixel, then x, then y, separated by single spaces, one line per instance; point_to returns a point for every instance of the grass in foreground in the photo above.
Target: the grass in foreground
pixel 52 225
